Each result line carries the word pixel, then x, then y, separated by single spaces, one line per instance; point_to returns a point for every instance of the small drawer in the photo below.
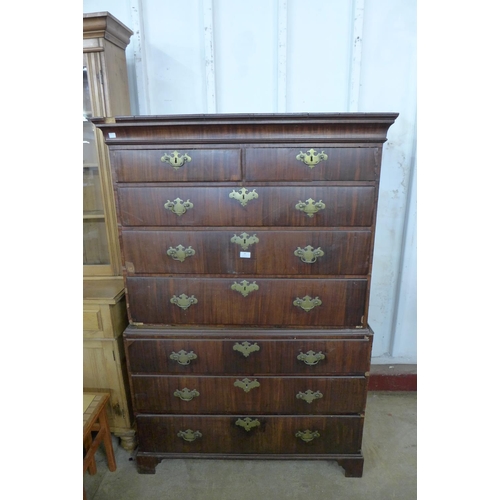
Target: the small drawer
pixel 253 301
pixel 92 318
pixel 176 165
pixel 298 206
pixel 248 251
pixel 299 357
pixel 312 163
pixel 250 434
pixel 227 395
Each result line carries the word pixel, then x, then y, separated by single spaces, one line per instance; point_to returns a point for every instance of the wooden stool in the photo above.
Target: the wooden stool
pixel 95 419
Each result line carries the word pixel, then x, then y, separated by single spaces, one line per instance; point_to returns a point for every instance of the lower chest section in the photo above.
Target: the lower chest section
pixel 254 391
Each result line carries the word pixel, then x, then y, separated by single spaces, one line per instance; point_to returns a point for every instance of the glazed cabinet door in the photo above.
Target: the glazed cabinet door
pixel 100 237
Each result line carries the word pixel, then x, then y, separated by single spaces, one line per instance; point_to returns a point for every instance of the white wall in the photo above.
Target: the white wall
pixel 251 56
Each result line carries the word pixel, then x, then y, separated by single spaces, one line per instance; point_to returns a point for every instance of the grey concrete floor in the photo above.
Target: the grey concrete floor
pixel 390 470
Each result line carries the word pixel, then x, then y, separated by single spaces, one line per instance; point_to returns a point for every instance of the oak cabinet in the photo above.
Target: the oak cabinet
pixel 247 245
pixel 105 93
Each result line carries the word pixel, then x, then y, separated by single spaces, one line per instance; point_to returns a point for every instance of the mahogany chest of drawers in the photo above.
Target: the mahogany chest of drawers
pixel 247 245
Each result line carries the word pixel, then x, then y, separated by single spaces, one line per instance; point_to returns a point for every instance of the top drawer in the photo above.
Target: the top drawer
pixel 312 163
pixel 176 165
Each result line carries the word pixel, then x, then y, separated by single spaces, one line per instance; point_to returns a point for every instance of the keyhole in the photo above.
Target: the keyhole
pixel 175 160
pixel 311 159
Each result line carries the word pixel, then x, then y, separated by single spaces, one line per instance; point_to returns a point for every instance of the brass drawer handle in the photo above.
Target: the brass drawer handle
pixel 244 287
pixel 311 158
pixel 307 303
pixel 311 358
pixel 243 195
pixel 247 423
pixel 178 206
pixel 310 207
pixel 246 348
pixel 180 253
pixel 176 160
pixel 189 435
pixel 244 240
pixel 187 394
pixel 309 255
pixel 307 435
pixel 183 301
pixel 246 384
pixel 309 396
pixel 182 357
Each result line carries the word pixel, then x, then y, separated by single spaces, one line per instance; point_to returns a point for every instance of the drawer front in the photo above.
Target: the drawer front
pixel 304 253
pixel 302 206
pixel 176 165
pixel 273 434
pixel 253 302
pixel 92 319
pixel 306 357
pixel 315 163
pixel 228 395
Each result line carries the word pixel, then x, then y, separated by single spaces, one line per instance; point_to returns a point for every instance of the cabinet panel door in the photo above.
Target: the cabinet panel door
pixel 103 370
pixel 250 302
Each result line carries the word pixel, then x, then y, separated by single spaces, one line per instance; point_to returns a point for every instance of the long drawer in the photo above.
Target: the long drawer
pixel 306 356
pixel 247 301
pixel 229 434
pixel 252 251
pixel 271 395
pixel 298 206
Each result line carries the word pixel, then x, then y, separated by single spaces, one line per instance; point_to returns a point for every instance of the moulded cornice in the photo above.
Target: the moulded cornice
pixel 105 25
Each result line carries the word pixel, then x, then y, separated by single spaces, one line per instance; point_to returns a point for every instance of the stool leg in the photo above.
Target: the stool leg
pixel 87 443
pixel 108 444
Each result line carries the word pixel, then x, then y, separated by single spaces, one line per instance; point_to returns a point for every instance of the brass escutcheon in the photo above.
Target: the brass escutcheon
pixel 189 435
pixel 309 396
pixel 182 357
pixel 244 287
pixel 243 195
pixel 311 358
pixel 176 159
pixel 309 255
pixel 180 253
pixel 307 303
pixel 246 384
pixel 183 301
pixel 307 435
pixel 247 423
pixel 244 240
pixel 310 207
pixel 311 157
pixel 186 394
pixel 246 348
pixel 178 206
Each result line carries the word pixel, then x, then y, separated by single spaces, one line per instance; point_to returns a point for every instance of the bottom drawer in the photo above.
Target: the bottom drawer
pixel 252 434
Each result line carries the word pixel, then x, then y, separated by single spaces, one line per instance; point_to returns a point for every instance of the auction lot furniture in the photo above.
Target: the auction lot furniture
pixel 247 244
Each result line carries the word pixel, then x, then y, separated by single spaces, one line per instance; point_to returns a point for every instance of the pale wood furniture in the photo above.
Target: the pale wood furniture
pixel 95 419
pixel 247 243
pixel 105 93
